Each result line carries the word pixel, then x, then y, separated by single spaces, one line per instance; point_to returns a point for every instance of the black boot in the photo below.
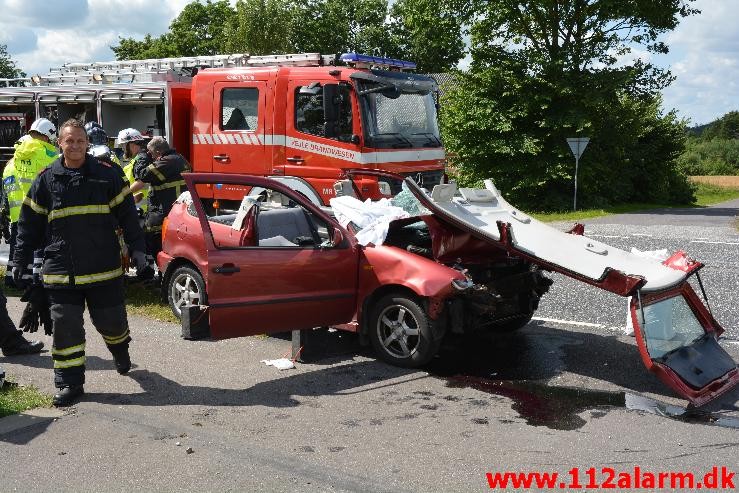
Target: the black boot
pixel 20 345
pixel 122 359
pixel 68 395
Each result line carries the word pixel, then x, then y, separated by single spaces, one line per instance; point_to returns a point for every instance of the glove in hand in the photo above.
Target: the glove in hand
pixel 144 271
pixel 20 283
pixel 37 311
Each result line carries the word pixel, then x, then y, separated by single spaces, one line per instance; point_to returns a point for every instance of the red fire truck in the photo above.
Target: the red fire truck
pixel 302 118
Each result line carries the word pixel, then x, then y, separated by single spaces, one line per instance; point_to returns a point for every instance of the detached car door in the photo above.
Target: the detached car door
pixel 677 338
pixel 282 263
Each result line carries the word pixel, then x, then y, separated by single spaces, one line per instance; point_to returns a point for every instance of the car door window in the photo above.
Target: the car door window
pixel 265 218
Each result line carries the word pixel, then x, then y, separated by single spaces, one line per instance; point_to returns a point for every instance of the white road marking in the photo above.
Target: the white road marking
pixel 607 236
pixel 716 242
pixel 641 234
pixel 568 322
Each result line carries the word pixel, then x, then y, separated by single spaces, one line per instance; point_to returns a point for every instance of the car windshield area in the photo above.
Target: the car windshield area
pixel 395 118
pixel 669 325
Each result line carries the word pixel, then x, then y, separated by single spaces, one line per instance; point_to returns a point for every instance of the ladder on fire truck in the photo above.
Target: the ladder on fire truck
pixel 156 69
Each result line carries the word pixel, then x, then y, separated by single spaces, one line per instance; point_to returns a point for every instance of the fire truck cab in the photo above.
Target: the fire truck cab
pixel 302 118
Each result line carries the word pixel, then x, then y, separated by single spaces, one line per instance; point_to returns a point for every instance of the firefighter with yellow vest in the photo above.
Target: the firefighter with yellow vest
pixel 72 211
pixel 32 154
pixel 133 144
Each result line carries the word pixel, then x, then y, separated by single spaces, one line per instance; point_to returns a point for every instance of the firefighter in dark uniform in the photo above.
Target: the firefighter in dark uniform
pixel 72 210
pixel 164 177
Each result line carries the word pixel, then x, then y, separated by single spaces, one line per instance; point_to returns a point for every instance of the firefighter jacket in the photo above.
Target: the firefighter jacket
pixel 73 214
pixel 30 157
pixel 165 178
pixel 12 192
pixel 136 162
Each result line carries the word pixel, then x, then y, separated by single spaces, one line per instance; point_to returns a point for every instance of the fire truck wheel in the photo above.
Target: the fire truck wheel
pixel 400 332
pixel 185 287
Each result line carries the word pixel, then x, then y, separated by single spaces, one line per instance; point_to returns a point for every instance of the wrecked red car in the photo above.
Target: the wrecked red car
pixel 452 261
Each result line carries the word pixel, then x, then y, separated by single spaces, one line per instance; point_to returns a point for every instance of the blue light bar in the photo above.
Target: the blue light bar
pixel 377 60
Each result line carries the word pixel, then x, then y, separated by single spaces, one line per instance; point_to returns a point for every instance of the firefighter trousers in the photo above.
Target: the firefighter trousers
pixel 11 264
pixel 8 331
pixel 108 314
pixel 153 232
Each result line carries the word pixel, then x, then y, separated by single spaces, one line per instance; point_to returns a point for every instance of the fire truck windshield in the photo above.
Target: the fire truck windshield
pixel 397 112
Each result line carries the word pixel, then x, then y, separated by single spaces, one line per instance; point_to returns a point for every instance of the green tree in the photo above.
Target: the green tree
pixel 200 29
pixel 428 32
pixel 260 27
pixel 338 26
pixel 545 70
pixel 8 68
pixel 726 127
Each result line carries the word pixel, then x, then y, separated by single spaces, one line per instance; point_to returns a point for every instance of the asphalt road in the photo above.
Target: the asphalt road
pixel 565 392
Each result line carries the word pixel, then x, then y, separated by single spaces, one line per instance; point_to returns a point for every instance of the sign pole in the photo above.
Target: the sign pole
pixel 574 200
pixel 577 146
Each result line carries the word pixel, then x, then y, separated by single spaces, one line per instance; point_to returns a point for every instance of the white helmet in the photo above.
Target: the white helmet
pixel 129 135
pixel 44 127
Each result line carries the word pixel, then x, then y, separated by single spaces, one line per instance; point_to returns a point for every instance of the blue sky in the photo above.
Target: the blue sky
pixel 41 34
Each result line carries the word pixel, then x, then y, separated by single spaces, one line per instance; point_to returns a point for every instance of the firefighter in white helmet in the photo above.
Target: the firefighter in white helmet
pixel 32 154
pixel 134 150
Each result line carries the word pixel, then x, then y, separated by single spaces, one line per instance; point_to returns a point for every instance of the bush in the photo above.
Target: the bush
pixel 715 157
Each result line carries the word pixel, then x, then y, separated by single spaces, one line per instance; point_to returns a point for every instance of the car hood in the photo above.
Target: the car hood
pixel 484 213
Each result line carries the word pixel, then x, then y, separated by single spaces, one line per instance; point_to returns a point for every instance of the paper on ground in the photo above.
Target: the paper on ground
pixel 280 363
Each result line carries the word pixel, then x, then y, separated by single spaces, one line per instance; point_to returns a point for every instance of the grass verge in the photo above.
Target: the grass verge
pixel 15 398
pixel 145 300
pixel 705 195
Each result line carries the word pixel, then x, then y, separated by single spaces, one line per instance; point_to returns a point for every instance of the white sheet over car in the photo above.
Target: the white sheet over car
pixel 481 209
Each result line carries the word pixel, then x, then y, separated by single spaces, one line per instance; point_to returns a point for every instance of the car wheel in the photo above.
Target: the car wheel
pixel 400 332
pixel 185 287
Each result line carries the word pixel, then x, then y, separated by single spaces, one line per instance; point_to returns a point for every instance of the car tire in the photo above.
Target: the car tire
pixel 185 286
pixel 401 332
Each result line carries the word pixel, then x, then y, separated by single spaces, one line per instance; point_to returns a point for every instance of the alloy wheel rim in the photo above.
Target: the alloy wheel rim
pixel 398 331
pixel 184 292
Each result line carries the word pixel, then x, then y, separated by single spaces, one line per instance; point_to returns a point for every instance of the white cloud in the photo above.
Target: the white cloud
pixel 44 14
pixel 18 39
pixel 133 18
pixel 705 59
pixel 42 34
pixel 60 46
